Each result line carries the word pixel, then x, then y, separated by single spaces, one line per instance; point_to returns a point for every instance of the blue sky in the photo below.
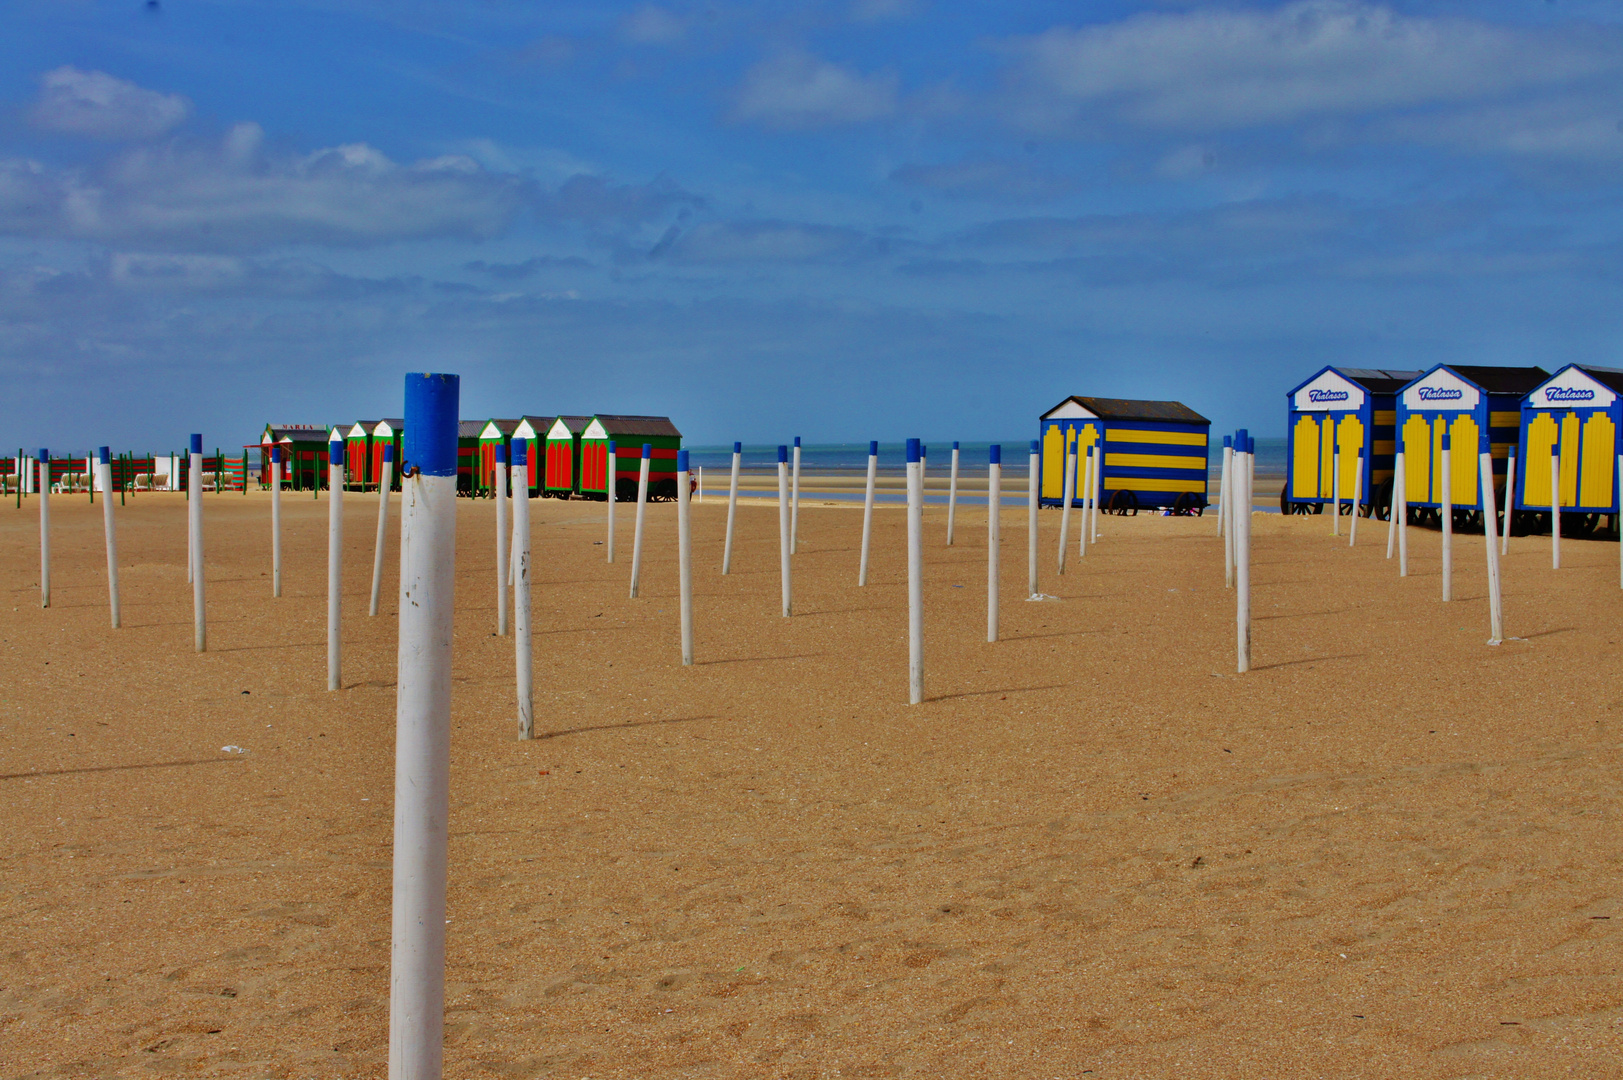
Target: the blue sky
pixel 849 220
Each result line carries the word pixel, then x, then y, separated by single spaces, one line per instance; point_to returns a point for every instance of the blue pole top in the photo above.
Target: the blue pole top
pixel 197 444
pixel 335 452
pixel 44 454
pixel 1228 442
pixel 1035 447
pixel 103 455
pixel 681 461
pixel 924 450
pixel 647 450
pixel 611 446
pixel 1446 440
pixel 955 444
pixel 913 450
pixel 1239 439
pixel 783 455
pixel 1251 445
pixel 873 447
pixel 521 451
pixel 276 453
pixel 738 448
pixel 388 451
pixel 995 453
pixel 501 453
pixel 797 442
pixel 431 422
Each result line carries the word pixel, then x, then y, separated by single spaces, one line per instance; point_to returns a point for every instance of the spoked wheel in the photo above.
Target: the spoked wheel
pixel 1123 503
pixel 1286 506
pixel 1184 506
pixel 1381 510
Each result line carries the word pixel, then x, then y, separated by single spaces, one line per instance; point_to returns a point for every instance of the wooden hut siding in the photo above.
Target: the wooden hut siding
pixel 1464 401
pixel 629 433
pixel 1587 403
pixel 1156 451
pixel 1353 409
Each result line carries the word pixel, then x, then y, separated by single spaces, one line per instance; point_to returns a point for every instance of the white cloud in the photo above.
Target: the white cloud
pixel 235 195
pixel 650 25
pixel 96 104
pixel 794 90
pixel 1568 128
pixel 1237 68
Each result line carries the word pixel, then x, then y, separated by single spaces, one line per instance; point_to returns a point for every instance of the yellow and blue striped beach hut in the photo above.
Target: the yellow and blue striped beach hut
pixel 1154 452
pixel 1353 410
pixel 1466 401
pixel 1585 403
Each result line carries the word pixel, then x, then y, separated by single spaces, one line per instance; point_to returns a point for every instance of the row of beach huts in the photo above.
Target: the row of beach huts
pixel 1355 420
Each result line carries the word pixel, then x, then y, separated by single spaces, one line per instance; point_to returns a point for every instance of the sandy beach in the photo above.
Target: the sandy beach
pixel 1390 850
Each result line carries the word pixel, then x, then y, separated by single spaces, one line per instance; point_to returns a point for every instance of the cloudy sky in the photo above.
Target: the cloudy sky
pixel 846 220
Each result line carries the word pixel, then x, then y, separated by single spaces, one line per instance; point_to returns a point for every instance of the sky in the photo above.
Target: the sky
pixel 845 220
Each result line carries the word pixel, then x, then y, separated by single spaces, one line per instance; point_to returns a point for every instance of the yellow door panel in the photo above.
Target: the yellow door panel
pixel 1350 439
pixel 1464 439
pixel 1417 459
pixel 1571 454
pixel 1536 477
pixel 1327 452
pixel 1305 458
pixel 1053 462
pixel 1600 461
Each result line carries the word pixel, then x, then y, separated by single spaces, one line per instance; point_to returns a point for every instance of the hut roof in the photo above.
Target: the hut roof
pixel 469 429
pixel 1124 409
pixel 395 426
pixel 506 427
pixel 1612 378
pixel 1378 380
pixel 538 425
pixel 1501 380
pixel 315 433
pixel 361 429
pixel 575 424
pixel 637 425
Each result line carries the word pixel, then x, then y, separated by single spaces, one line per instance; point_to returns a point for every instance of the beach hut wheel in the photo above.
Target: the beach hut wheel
pixel 1382 507
pixel 1123 503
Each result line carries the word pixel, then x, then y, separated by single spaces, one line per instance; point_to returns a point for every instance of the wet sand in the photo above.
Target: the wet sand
pixel 1390 850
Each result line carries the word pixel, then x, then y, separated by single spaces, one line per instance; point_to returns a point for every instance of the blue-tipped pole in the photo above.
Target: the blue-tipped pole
pixel 104 470
pixel 1447 512
pixel 385 483
pixel 642 510
pixel 732 509
pixel 994 533
pixel 423 727
pixel 504 564
pixel 194 570
pixel 784 541
pixel 276 519
pixel 522 658
pixel 44 527
pixel 867 510
pixel 684 554
pixel 952 494
pixel 1034 468
pixel 794 501
pixel 610 481
pixel 915 572
pixel 335 563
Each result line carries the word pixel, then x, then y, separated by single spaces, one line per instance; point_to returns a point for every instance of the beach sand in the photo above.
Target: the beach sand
pixel 1390 850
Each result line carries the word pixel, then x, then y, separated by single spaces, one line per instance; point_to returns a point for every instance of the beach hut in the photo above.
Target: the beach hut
pixel 467 457
pixel 1154 452
pixel 562 477
pixel 358 453
pixel 1350 409
pixel 495 433
pixel 533 430
pixel 386 433
pixel 304 453
pixel 628 433
pixel 1587 403
pixel 1466 400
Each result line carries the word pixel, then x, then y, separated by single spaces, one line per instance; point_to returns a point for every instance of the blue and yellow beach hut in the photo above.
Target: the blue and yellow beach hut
pixel 1585 404
pixel 1154 452
pixel 1466 400
pixel 1353 410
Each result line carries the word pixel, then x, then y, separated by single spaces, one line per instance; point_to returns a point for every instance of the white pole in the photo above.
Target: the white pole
pixel 1448 516
pixel 1496 618
pixel 1033 471
pixel 44 528
pixel 423 729
pixel 783 530
pixel 1225 510
pixel 1335 492
pixel 523 660
pixel 794 503
pixel 915 573
pixel 1067 492
pixel 504 565
pixel 1402 496
pixel 994 503
pixel 684 555
pixel 1555 504
pixel 1392 510
pixel 609 486
pixel 106 470
pixel 383 523
pixel 952 494
pixel 1098 486
pixel 1241 524
pixel 1510 501
pixel 276 524
pixel 335 564
pixel 867 511
pixel 1358 497
pixel 698 471
pixel 1085 467
pixel 1223 495
pixel 642 509
pixel 732 510
pixel 194 491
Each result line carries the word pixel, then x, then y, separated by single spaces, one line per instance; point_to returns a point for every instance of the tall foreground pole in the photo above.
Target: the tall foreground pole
pixel 1067 494
pixel 523 661
pixel 194 507
pixel 1448 516
pixel 783 530
pixel 105 467
pixel 732 510
pixel 423 729
pixel 915 573
pixel 1555 503
pixel 1223 492
pixel 642 509
pixel 994 501
pixel 383 524
pixel 1496 618
pixel 1357 497
pixel 952 494
pixel 44 527
pixel 504 569
pixel 794 502
pixel 335 563
pixel 1241 524
pixel 684 555
pixel 867 511
pixel 1085 488
pixel 276 523
pixel 1034 467
pixel 609 485
pixel 1510 502
pixel 1402 514
pixel 1225 511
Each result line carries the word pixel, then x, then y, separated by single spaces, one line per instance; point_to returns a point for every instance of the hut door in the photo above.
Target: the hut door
pixel 1600 461
pixel 1465 438
pixel 1416 444
pixel 1054 461
pixel 1571 453
pixel 1350 441
pixel 1305 458
pixel 1536 469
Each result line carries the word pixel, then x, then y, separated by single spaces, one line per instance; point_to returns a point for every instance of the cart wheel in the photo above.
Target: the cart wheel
pixel 1382 508
pixel 1183 506
pixel 1122 503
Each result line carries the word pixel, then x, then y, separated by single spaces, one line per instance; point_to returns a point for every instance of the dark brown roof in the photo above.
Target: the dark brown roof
pixel 1123 409
pixel 396 424
pixel 1502 380
pixel 575 424
pixel 540 424
pixel 638 425
pixel 506 427
pixel 469 429
pixel 1379 380
pixel 1606 376
pixel 315 433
